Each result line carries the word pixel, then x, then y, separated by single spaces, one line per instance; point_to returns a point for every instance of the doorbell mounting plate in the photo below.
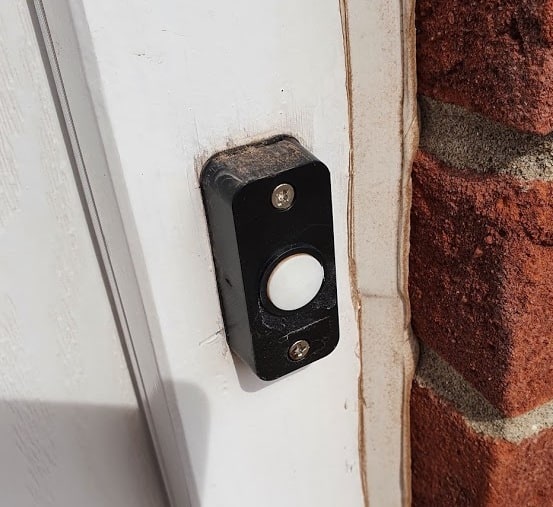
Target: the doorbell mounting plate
pixel 269 212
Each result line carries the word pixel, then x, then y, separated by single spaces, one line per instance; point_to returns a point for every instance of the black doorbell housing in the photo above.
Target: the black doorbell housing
pixel 264 203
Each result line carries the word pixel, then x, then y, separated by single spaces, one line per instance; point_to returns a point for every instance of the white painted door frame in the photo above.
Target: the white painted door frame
pixel 149 90
pixel 383 139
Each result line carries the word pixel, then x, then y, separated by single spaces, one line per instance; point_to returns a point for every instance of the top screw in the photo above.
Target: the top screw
pixel 283 196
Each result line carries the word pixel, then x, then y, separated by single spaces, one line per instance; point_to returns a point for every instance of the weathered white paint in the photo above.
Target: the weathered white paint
pixel 173 83
pixel 70 429
pixel 384 137
pixel 153 89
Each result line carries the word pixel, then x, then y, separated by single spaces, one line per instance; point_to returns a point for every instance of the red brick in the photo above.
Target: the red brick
pixel 481 279
pixel 454 465
pixel 492 56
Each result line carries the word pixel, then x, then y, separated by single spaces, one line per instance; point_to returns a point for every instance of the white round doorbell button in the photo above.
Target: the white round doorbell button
pixel 295 281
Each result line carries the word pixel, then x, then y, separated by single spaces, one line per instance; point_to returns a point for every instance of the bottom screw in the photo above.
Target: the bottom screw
pixel 298 350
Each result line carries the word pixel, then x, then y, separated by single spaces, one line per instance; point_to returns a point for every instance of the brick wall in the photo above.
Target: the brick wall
pixel 481 262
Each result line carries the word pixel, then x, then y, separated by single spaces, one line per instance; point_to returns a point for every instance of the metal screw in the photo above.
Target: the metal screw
pixel 283 196
pixel 298 350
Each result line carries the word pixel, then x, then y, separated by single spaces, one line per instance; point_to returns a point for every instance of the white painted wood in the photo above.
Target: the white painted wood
pixel 173 83
pixel 153 89
pixel 384 137
pixel 71 433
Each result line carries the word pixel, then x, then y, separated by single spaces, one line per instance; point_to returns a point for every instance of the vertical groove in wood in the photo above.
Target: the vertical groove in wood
pixel 70 429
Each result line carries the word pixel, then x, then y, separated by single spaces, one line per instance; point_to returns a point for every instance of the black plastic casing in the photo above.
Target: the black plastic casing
pixel 249 236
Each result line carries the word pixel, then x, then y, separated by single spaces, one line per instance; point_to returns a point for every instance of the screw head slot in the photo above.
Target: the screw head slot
pixel 298 350
pixel 282 197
